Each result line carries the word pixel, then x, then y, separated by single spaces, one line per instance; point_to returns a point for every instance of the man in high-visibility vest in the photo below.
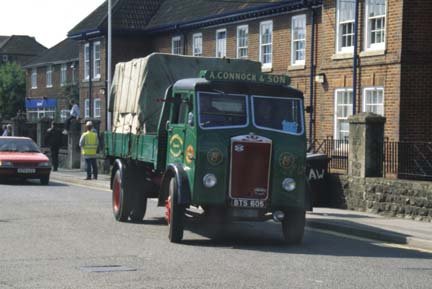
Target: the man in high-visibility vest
pixel 89 143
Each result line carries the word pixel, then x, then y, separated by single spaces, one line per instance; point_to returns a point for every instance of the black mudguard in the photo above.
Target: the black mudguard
pixel 183 189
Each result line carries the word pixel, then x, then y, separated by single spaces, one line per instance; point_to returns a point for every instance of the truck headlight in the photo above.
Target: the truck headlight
pixel 289 184
pixel 6 164
pixel 209 180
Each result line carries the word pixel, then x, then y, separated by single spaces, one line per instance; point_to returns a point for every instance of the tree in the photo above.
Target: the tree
pixel 12 89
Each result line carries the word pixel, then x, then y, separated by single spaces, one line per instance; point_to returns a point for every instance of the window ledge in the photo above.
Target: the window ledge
pixel 266 69
pixel 369 53
pixel 341 55
pixel 49 86
pixel 297 67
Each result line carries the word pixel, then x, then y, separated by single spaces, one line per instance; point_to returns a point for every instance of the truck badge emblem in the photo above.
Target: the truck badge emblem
pixel 215 156
pixel 239 148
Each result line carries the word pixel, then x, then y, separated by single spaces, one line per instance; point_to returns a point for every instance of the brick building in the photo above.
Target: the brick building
pixel 51 80
pixel 130 17
pixel 293 36
pixel 19 48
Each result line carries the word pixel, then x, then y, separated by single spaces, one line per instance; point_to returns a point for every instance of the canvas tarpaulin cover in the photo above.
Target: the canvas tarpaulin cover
pixel 139 85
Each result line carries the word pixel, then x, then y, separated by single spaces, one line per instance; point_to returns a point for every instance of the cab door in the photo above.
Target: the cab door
pixel 176 128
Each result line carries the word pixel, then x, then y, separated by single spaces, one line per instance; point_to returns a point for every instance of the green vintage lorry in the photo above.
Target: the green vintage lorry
pixel 207 133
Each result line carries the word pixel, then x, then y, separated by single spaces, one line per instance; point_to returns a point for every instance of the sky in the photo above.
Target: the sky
pixel 47 20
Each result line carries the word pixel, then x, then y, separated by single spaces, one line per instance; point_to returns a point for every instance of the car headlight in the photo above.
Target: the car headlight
pixel 209 180
pixel 44 164
pixel 289 184
pixel 6 164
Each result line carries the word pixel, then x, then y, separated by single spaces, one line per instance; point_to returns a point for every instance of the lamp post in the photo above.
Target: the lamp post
pixel 109 52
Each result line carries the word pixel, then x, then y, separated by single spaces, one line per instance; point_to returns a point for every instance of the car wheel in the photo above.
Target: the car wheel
pixel 293 226
pixel 175 213
pixel 44 180
pixel 120 201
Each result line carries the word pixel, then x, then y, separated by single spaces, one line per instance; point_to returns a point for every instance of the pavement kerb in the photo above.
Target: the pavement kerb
pixel 75 181
pixel 371 234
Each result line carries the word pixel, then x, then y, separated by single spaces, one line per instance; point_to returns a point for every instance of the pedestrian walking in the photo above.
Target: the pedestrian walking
pixel 89 143
pixel 53 139
pixel 74 115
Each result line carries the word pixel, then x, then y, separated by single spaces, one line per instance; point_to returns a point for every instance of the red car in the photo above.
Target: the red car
pixel 20 157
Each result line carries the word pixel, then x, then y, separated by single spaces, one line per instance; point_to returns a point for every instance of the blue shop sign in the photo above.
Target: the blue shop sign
pixel 41 103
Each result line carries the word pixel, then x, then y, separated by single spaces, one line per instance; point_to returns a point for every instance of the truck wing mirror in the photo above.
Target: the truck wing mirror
pixel 168 126
pixel 190 119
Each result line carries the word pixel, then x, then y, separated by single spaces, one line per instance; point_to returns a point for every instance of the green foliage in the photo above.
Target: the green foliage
pixel 12 89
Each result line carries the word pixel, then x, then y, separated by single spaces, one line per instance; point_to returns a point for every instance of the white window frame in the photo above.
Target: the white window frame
pixel 64 114
pixel 267 65
pixel 197 46
pixel 365 105
pixel 34 114
pixel 97 108
pixel 339 48
pixel 179 48
pixel 87 108
pixel 221 49
pixel 368 33
pixel 96 60
pixel 63 74
pixel 244 47
pixel 336 117
pixel 294 60
pixel 49 71
pixel 87 61
pixel 34 78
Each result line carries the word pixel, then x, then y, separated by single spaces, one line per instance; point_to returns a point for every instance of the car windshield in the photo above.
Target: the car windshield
pixel 278 114
pixel 18 145
pixel 220 110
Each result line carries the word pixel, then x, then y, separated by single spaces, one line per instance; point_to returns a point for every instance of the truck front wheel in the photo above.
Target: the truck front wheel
pixel 175 213
pixel 120 202
pixel 293 226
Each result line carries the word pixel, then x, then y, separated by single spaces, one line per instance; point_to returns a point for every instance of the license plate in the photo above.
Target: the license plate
pixel 242 203
pixel 26 171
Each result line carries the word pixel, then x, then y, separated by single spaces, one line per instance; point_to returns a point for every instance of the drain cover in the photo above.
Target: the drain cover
pixel 106 269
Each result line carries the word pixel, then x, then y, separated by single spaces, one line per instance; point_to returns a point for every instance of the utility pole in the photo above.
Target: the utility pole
pixel 109 65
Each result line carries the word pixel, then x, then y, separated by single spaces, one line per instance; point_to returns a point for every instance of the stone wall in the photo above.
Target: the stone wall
pixel 397 198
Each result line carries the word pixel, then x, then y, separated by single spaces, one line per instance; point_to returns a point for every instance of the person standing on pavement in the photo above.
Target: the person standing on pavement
pixel 89 143
pixel 54 141
pixel 74 114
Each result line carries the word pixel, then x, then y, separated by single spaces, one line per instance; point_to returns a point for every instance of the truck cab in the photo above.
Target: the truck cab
pixel 240 145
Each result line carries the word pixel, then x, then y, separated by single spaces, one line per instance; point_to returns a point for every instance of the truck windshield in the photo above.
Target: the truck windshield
pixel 278 114
pixel 220 110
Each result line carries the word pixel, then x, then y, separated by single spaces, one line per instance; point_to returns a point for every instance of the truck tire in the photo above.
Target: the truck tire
pixel 139 207
pixel 293 226
pixel 120 198
pixel 175 213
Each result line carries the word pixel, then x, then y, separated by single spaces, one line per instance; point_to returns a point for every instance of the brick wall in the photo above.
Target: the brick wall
pixel 125 48
pixel 56 91
pixel 416 95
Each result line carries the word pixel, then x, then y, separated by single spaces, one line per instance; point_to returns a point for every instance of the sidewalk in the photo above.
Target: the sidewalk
pixel 77 177
pixel 393 230
pixel 415 234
